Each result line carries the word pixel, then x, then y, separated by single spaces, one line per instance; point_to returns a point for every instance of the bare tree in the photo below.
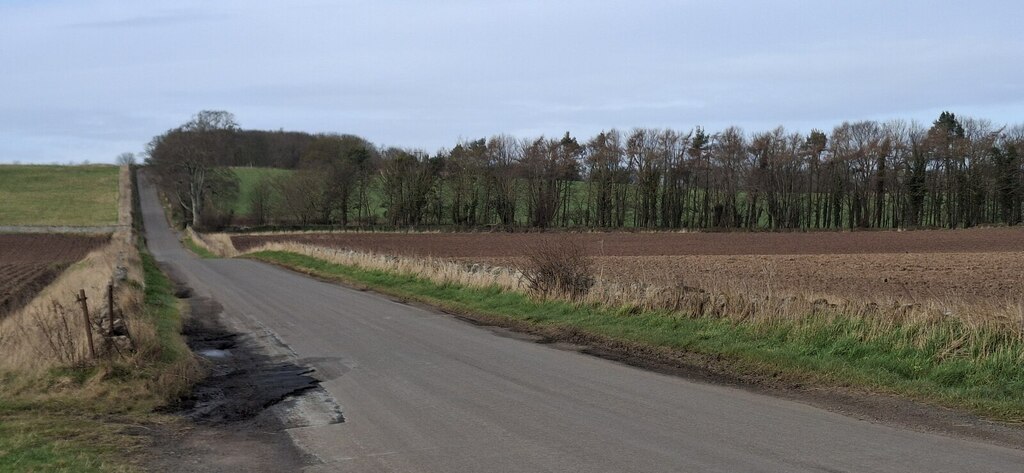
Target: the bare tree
pixel 301 199
pixel 261 201
pixel 953 172
pixel 503 156
pixel 607 173
pixel 125 159
pixel 189 160
pixel 407 180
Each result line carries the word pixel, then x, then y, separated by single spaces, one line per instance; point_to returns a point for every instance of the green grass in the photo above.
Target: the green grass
pixel 34 438
pixel 982 376
pixel 164 312
pixel 58 195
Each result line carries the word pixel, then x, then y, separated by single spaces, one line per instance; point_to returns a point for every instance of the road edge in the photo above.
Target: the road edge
pixel 858 403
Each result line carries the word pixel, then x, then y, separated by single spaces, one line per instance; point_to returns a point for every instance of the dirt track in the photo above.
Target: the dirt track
pixel 977 264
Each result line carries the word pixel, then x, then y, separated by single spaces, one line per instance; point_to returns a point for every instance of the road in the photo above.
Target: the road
pixel 424 392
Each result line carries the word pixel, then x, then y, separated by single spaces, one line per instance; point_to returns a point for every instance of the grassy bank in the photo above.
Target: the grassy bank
pixel 200 251
pixel 208 245
pixel 943 362
pixel 171 354
pixel 58 195
pixel 85 418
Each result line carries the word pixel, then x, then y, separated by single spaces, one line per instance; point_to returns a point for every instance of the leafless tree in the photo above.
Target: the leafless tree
pixel 125 159
pixel 189 160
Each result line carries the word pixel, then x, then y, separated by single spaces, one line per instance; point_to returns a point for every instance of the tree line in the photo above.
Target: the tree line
pixel 956 172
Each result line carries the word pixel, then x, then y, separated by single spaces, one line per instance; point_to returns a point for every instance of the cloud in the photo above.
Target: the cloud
pixel 91 78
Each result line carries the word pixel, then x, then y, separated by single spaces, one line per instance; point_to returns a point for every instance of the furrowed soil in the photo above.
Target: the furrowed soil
pixel 967 265
pixel 29 262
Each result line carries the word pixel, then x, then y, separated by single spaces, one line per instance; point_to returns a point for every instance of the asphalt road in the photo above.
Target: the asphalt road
pixel 424 392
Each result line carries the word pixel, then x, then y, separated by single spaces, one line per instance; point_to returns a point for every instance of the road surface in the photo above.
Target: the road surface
pixel 424 392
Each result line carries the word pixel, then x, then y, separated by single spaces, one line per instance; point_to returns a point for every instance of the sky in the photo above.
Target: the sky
pixel 88 80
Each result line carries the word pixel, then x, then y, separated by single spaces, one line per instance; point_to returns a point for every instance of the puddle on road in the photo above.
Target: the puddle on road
pixel 241 382
pixel 213 353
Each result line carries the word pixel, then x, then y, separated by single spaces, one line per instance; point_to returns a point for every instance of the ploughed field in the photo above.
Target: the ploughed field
pixel 974 264
pixel 28 262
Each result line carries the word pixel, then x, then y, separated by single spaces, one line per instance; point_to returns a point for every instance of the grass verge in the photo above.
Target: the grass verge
pixel 913 361
pixel 164 312
pixel 83 419
pixel 36 439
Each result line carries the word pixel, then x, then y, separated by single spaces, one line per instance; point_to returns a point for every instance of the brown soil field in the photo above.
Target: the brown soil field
pixel 28 262
pixel 974 264
pixel 909 277
pixel 666 244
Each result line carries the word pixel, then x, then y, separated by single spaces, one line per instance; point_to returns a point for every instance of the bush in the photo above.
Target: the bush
pixel 558 267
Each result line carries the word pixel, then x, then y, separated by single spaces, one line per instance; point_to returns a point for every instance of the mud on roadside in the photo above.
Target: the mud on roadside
pixel 237 417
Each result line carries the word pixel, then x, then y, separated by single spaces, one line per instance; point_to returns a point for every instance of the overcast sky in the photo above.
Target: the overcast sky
pixel 86 80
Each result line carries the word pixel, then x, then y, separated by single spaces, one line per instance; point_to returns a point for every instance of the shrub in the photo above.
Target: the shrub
pixel 558 267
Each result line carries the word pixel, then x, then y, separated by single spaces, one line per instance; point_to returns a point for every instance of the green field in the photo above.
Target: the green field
pixel 58 195
pixel 247 180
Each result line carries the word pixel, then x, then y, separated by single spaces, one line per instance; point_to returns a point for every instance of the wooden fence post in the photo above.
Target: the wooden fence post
pixel 88 323
pixel 110 309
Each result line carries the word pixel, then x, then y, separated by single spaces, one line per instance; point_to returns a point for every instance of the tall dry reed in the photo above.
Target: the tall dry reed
pixel 761 302
pixel 217 243
pixel 437 270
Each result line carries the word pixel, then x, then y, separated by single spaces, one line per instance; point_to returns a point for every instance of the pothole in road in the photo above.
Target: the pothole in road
pixel 242 383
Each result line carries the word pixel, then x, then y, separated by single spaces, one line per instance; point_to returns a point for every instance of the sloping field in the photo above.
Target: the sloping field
pixel 29 262
pixel 248 178
pixel 975 264
pixel 58 195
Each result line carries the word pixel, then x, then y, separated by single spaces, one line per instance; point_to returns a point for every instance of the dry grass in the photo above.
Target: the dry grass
pixel 50 331
pixel 757 300
pixel 63 411
pixel 766 300
pixel 217 243
pixel 48 335
pixel 437 270
pixel 22 345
